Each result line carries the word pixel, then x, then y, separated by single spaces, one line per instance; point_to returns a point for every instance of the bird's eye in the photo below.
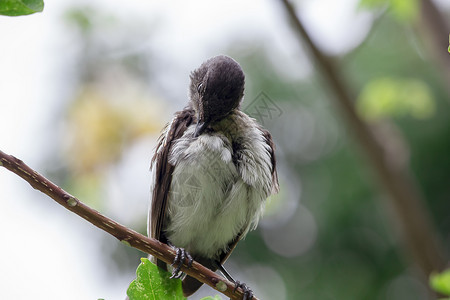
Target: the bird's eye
pixel 199 87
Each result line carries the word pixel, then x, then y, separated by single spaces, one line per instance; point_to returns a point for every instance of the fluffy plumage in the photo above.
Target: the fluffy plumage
pixel 212 171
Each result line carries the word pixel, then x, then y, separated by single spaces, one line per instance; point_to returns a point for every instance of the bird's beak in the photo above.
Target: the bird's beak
pixel 200 128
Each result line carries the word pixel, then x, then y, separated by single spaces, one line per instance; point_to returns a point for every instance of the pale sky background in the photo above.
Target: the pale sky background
pixel 47 255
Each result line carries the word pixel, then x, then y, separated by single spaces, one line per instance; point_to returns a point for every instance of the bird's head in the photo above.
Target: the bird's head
pixel 217 87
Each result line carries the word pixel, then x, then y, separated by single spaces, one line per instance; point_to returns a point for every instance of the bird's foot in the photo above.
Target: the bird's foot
pixel 248 293
pixel 181 256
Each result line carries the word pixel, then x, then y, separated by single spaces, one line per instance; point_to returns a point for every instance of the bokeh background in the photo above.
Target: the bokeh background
pixel 86 87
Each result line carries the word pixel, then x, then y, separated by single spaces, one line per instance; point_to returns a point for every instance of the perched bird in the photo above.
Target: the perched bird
pixel 212 171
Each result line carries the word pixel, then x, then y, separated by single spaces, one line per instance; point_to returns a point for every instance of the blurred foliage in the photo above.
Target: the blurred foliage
pixel 449 43
pixel 440 282
pixel 111 110
pixel 100 127
pixel 102 123
pixel 391 97
pixel 81 17
pixel 102 40
pixel 404 11
pixel 20 7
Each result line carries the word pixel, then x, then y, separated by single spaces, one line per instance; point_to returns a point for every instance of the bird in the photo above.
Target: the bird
pixel 212 171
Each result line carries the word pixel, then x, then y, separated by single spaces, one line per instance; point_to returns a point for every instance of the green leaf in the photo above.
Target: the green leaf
pixel 394 97
pixel 20 7
pixel 441 282
pixel 449 43
pixel 152 283
pixel 216 297
pixel 405 10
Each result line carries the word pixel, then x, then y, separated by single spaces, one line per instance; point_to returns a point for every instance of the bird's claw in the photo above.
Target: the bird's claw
pixel 248 293
pixel 181 256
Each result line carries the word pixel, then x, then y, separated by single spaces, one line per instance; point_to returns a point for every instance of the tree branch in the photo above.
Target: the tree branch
pixel 122 233
pixel 434 29
pixel 417 232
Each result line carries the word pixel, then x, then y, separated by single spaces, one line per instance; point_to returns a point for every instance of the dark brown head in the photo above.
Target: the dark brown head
pixel 217 87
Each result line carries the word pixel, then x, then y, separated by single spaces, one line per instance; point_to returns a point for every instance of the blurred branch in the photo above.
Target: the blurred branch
pixel 417 232
pixel 435 35
pixel 122 233
pixel 438 26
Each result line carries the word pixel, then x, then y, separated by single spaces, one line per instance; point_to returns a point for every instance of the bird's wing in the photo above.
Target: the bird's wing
pixel 269 141
pixel 164 170
pixel 224 255
pixel 275 188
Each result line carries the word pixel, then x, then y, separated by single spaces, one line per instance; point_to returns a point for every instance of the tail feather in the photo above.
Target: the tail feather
pixel 190 285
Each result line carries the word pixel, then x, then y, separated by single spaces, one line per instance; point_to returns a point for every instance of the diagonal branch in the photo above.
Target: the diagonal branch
pixel 434 29
pixel 417 232
pixel 122 233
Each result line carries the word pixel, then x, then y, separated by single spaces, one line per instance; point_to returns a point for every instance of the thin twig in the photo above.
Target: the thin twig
pixel 418 234
pixel 122 233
